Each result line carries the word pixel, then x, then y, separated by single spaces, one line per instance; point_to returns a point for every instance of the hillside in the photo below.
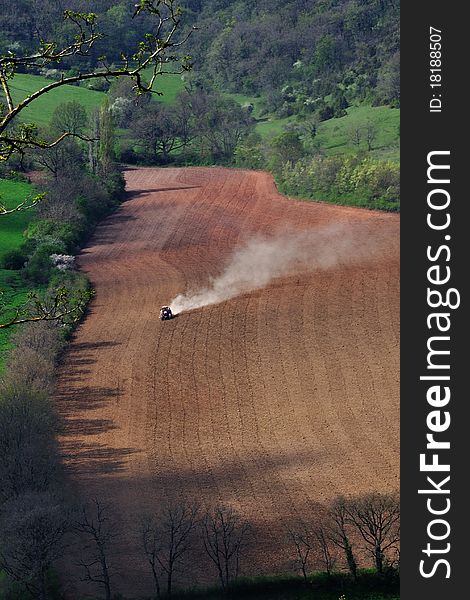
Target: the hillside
pixel 40 112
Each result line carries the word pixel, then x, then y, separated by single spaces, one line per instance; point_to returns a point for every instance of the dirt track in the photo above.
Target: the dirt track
pixel 270 402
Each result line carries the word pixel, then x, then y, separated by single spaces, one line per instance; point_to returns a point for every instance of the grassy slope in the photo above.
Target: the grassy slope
pixel 170 86
pixel 11 236
pixel 40 111
pixel 334 135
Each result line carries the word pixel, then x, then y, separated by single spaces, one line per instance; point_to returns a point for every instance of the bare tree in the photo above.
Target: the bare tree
pixel 377 517
pixel 96 526
pixel 371 132
pixel 60 158
pixel 338 532
pixel 324 550
pixel 355 135
pixel 311 546
pixel 301 540
pixel 165 539
pixel 32 527
pixel 224 536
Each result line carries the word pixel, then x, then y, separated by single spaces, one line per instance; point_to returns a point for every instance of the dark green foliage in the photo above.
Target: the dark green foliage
pixel 58 234
pixel 13 260
pixel 157 131
pixel 369 586
pixel 259 47
pixel 249 153
pixel 28 460
pixel 39 266
pixel 285 148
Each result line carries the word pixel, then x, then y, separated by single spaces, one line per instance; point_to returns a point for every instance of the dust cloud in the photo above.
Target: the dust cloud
pixel 259 260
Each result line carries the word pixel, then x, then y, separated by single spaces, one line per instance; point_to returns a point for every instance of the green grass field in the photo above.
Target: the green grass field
pixel 170 86
pixel 41 110
pixel 334 135
pixel 11 236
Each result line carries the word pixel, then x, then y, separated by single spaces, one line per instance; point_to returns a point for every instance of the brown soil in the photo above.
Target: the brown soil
pixel 270 402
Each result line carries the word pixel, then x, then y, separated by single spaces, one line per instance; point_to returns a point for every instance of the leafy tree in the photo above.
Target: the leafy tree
pixel 158 130
pixel 152 54
pixel 388 80
pixel 220 123
pixel 69 117
pixel 285 148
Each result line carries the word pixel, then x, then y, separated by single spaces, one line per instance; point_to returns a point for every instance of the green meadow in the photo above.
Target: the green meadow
pixel 11 236
pixel 40 111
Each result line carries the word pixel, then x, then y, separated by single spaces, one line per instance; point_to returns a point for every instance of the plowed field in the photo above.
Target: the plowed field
pixel 270 402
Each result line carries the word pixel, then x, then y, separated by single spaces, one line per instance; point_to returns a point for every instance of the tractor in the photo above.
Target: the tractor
pixel 165 313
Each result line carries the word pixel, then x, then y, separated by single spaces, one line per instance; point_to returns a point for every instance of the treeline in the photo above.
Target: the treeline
pixel 38 522
pixel 299 56
pixel 33 506
pixel 205 127
pixel 339 537
pixel 201 126
pixel 82 185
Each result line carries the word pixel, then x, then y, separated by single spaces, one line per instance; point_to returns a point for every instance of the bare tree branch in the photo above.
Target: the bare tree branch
pixel 152 52
pixel 61 305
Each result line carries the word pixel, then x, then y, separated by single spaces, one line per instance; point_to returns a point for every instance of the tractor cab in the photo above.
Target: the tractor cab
pixel 165 313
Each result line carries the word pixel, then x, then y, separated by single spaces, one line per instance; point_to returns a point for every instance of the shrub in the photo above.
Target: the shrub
pixel 39 266
pixel 356 180
pixel 99 85
pixel 28 453
pixel 54 232
pixel 13 260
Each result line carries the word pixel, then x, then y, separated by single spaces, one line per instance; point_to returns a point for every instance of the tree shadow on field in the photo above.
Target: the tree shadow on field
pixel 265 547
pixel 130 195
pixel 108 230
pixel 75 402
pixel 94 459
